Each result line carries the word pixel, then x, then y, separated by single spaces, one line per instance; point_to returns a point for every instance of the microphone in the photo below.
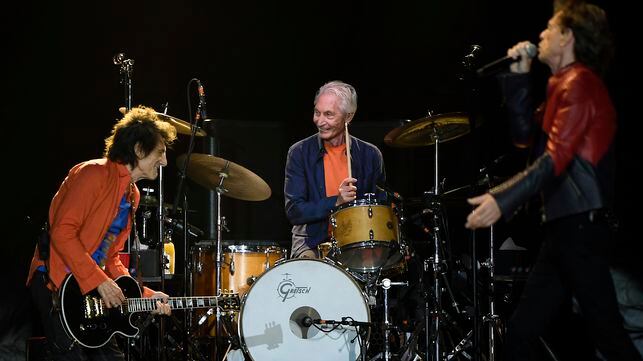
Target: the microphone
pixel 469 59
pixel 118 59
pixel 345 322
pixel 205 316
pixel 324 322
pixel 384 188
pixel 416 219
pixel 505 61
pixel 306 321
pixel 201 99
pixel 192 230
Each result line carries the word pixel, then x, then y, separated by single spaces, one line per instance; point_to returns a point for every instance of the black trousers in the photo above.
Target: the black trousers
pixel 61 347
pixel 573 262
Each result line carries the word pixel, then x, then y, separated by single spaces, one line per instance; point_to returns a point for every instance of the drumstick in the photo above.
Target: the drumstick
pixel 348 151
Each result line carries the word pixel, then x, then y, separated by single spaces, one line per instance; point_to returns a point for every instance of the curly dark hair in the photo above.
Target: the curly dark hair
pixel 139 126
pixel 593 45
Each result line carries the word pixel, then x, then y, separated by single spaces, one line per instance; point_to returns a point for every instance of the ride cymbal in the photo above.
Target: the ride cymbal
pixel 182 127
pixel 425 131
pixel 238 182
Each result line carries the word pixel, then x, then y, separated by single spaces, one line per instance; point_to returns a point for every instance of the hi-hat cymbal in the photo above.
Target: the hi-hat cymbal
pixel 182 127
pixel 239 182
pixel 425 131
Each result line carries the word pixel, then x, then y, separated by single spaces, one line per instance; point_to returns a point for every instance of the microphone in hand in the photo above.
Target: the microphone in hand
pixel 500 64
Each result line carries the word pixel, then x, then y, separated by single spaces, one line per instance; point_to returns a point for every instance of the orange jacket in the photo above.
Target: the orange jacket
pixel 79 216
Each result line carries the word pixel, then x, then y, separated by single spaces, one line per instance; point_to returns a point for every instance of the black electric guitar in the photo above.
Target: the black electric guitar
pixel 87 320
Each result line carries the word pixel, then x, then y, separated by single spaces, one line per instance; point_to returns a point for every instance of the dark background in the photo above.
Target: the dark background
pixel 261 63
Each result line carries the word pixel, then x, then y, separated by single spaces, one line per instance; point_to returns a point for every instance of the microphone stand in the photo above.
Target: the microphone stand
pixel 180 195
pixel 126 67
pixel 471 86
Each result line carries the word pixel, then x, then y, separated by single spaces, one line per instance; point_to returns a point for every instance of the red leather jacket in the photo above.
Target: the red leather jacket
pixel 577 127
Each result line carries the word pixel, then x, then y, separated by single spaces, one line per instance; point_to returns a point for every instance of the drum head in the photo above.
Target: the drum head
pixel 272 315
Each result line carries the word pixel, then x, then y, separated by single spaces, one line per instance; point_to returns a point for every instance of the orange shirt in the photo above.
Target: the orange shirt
pixel 335 168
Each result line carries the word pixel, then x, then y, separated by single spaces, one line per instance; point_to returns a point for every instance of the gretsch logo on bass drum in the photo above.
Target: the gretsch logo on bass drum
pixel 287 289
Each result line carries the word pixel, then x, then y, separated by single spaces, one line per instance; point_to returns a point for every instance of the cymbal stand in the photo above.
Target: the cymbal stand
pixel 491 318
pixel 433 315
pixel 223 174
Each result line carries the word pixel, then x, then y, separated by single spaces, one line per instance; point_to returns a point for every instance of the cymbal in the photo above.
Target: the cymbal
pixel 182 127
pixel 239 182
pixel 425 131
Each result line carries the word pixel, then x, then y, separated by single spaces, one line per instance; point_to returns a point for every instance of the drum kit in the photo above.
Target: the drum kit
pixel 336 307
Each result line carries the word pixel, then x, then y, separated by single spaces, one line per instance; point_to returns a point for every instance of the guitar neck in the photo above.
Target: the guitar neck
pixel 176 303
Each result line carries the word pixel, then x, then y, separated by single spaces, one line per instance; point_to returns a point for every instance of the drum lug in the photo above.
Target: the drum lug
pixel 335 250
pixel 371 235
pixel 333 222
pixel 370 212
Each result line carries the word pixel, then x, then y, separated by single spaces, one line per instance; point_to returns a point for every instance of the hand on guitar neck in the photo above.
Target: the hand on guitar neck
pixel 113 296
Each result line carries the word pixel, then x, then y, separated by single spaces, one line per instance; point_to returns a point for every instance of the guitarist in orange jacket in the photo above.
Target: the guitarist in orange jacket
pixel 90 219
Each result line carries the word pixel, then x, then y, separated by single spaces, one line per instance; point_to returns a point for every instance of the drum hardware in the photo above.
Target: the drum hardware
pixel 229 179
pixel 386 284
pixel 432 130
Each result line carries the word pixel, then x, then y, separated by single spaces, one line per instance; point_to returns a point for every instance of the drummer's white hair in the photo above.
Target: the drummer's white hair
pixel 345 92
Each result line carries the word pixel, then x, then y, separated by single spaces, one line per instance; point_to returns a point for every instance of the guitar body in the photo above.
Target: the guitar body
pixel 87 321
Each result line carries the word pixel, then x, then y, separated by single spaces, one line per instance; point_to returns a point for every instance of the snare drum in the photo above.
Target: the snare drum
pixel 366 234
pixel 272 322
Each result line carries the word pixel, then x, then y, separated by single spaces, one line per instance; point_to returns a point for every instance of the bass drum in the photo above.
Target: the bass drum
pixel 272 322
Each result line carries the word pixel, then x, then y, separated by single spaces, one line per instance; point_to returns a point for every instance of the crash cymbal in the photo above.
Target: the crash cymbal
pixel 425 131
pixel 182 127
pixel 239 182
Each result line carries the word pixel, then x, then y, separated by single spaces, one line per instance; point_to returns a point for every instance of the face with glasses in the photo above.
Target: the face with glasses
pixel 329 119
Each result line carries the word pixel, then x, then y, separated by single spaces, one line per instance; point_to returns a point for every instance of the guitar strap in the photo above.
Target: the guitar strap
pixel 43 253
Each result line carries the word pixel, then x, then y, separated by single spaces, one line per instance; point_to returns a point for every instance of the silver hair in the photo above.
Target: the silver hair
pixel 345 92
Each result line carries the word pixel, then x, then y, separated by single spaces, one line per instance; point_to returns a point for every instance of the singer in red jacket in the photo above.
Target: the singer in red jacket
pixel 573 131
